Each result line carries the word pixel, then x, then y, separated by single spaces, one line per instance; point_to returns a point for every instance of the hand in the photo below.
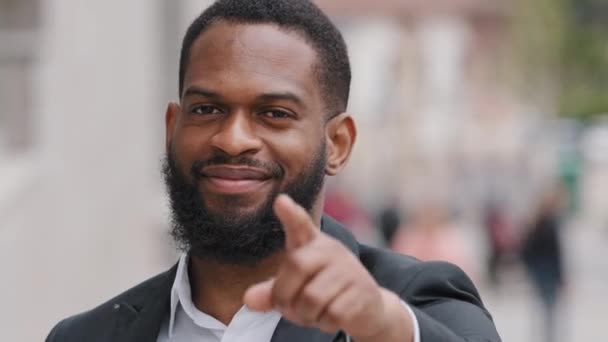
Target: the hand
pixel 322 284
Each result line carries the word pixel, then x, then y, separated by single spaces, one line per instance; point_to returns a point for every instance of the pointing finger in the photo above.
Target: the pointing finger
pixel 297 224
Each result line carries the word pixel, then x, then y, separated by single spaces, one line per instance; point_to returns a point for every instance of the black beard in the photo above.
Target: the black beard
pixel 238 239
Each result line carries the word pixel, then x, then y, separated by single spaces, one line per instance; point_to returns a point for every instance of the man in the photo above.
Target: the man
pixel 261 121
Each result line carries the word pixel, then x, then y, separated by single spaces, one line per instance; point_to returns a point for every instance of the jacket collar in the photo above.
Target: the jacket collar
pixel 141 315
pixel 336 230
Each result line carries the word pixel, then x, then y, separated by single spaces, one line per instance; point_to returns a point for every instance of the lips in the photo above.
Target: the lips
pixel 233 180
pixel 235 173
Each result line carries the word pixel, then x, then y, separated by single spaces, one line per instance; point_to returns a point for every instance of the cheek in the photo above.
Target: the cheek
pixel 294 151
pixel 191 139
pixel 188 145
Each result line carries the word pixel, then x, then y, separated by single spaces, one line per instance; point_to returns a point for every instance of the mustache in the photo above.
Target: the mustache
pixel 273 170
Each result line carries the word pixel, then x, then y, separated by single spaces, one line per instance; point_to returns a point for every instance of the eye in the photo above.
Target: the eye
pixel 205 110
pixel 276 114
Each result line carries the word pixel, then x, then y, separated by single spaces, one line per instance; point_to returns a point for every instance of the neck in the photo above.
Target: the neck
pixel 218 288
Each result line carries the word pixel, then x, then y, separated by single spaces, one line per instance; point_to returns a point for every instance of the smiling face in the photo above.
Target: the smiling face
pixel 251 124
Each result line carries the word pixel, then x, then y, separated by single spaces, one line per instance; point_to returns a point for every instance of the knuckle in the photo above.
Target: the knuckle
pixel 328 326
pixel 310 297
pixel 303 260
pixel 334 314
pixel 277 298
pixel 295 263
pixel 356 308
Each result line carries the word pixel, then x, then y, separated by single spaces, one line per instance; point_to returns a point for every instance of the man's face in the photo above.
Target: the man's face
pixel 251 124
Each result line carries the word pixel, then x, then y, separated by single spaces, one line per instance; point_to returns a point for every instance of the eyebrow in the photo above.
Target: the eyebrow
pixel 191 91
pixel 287 96
pixel 266 97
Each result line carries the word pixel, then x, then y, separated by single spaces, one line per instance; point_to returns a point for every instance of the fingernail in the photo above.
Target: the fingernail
pixel 285 197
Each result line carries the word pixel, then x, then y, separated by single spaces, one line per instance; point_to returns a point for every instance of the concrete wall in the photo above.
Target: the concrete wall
pixel 88 219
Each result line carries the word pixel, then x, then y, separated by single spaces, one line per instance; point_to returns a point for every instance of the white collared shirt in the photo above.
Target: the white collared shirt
pixel 186 323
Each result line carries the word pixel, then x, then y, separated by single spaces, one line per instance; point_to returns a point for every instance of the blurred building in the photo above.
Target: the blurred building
pixel 433 97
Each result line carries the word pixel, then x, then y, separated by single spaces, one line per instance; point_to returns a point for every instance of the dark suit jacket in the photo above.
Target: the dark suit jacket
pixel 445 301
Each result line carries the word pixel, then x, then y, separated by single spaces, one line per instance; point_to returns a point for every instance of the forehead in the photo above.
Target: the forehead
pixel 253 58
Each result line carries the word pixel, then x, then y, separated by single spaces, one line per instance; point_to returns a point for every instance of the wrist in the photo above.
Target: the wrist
pixel 398 324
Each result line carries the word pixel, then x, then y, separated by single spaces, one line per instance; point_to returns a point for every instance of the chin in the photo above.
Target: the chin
pixel 241 204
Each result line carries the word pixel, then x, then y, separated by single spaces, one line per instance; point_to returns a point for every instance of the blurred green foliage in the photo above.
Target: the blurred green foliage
pixel 584 55
pixel 562 47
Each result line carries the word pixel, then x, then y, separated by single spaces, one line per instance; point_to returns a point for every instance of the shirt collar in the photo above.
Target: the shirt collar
pixel 181 284
pixel 181 299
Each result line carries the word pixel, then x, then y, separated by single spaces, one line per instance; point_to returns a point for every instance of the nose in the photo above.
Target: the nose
pixel 236 135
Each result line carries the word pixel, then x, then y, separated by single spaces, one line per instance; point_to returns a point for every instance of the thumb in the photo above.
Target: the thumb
pixel 259 296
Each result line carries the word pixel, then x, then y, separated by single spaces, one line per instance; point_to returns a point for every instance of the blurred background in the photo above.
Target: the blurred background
pixel 483 141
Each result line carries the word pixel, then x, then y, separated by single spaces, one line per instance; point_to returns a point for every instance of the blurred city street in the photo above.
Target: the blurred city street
pixel 472 116
pixel 583 312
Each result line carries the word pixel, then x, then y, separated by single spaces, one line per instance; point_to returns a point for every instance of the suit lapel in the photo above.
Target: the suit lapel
pixel 334 229
pixel 140 318
pixel 289 332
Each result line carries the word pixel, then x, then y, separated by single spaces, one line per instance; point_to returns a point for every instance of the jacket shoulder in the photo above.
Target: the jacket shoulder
pixel 391 270
pixel 443 298
pixel 99 320
pixel 403 273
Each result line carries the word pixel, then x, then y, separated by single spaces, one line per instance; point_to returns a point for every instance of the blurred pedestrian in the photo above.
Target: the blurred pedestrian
pixel 342 206
pixel 542 255
pixel 501 241
pixel 390 219
pixel 431 236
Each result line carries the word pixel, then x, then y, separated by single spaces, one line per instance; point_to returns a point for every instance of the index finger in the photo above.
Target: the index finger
pixel 297 224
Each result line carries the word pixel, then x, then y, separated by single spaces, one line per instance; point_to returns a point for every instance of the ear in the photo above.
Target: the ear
pixel 171 115
pixel 341 135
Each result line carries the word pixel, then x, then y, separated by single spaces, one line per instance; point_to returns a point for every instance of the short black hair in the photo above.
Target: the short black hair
pixel 301 16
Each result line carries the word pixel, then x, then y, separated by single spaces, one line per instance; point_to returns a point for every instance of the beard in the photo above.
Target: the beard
pixel 231 236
